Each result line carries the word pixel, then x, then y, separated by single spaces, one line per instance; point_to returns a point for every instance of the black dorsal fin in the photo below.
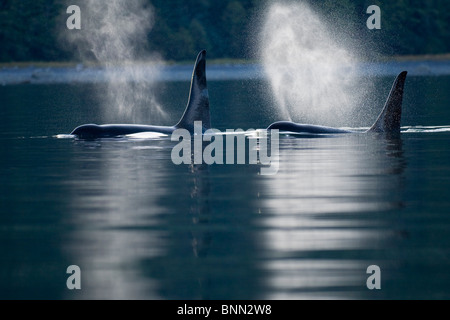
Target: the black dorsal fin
pixel 389 118
pixel 197 108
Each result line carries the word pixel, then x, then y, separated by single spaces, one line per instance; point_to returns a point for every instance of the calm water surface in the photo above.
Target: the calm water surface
pixel 140 227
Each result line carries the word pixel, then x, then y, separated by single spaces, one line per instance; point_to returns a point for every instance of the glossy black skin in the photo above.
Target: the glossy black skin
pixel 197 109
pixel 305 128
pixel 94 131
pixel 387 122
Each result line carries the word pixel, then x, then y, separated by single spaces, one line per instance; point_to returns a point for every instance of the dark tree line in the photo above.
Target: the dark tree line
pixel 228 28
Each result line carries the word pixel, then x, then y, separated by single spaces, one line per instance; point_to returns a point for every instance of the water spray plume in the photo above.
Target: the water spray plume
pixel 311 72
pixel 114 34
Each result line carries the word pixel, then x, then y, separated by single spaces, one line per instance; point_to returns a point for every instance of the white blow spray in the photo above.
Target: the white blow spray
pixel 311 73
pixel 114 34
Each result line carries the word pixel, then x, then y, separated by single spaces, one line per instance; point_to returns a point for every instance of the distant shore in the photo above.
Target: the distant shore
pixel 223 69
pixel 424 57
pixel 224 61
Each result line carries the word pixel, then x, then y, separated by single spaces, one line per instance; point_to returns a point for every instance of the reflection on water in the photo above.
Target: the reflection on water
pixel 145 225
pixel 321 213
pixel 149 229
pixel 108 190
pixel 141 227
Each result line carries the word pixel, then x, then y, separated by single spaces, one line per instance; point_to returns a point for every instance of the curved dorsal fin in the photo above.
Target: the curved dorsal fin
pixel 197 108
pixel 389 118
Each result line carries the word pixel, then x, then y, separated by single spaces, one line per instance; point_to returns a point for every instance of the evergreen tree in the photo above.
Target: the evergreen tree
pixel 29 29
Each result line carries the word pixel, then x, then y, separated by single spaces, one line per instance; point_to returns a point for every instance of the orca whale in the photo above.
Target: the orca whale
pixel 197 109
pixel 387 122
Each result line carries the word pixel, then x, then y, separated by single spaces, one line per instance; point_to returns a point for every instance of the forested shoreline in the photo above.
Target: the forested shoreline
pixel 30 30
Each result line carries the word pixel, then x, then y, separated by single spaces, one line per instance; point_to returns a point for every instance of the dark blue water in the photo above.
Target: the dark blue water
pixel 140 227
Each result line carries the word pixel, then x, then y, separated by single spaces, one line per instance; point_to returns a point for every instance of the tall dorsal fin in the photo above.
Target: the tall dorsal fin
pixel 197 108
pixel 389 118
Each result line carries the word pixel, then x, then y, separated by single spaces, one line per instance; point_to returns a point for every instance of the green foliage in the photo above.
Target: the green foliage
pixel 29 29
